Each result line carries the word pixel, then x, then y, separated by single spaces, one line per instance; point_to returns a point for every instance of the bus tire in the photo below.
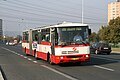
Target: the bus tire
pixel 36 57
pixel 108 53
pixel 49 59
pixel 25 52
pixel 35 54
pixel 50 62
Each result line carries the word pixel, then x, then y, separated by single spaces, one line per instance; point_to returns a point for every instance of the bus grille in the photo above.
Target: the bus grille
pixel 69 52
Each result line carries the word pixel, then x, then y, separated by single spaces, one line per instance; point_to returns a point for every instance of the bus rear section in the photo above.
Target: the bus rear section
pixel 25 42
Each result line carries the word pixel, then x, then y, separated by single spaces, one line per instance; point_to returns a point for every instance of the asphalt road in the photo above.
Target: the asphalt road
pixel 16 66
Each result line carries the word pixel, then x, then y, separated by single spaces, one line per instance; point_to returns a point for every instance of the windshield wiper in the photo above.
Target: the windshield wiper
pixel 64 43
pixel 79 42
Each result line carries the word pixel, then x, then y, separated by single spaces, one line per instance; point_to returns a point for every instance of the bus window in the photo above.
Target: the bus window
pixel 36 37
pixel 48 37
pixel 45 35
pixel 43 38
pixel 25 36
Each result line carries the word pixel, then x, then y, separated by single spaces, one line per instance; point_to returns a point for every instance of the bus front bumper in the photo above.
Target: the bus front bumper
pixel 73 58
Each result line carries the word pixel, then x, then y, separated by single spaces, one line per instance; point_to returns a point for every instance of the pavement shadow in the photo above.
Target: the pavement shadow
pixel 93 61
pixel 99 61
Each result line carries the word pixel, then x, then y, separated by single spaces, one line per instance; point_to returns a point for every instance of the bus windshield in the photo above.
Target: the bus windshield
pixel 76 35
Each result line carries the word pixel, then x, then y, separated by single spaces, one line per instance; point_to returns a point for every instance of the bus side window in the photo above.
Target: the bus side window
pixel 25 36
pixel 48 37
pixel 45 35
pixel 43 38
pixel 36 37
pixel 39 38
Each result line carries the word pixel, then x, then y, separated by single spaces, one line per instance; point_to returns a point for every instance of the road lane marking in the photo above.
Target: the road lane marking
pixel 35 61
pixel 21 55
pixel 25 57
pixel 106 58
pixel 14 52
pixel 63 74
pixel 9 50
pixel 29 59
pixel 103 68
pixel 18 54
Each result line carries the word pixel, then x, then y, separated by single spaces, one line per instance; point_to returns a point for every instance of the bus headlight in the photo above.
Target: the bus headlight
pixel 87 56
pixel 61 57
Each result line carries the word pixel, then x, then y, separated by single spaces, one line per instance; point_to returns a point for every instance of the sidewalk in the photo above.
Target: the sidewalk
pixel 115 52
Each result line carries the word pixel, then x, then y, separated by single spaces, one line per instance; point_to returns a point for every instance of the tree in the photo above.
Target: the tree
pixel 104 33
pixel 1 37
pixel 114 34
pixel 115 22
pixel 114 26
pixel 111 33
pixel 93 37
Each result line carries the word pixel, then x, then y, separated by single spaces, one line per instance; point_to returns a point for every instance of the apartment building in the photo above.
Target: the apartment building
pixel 113 10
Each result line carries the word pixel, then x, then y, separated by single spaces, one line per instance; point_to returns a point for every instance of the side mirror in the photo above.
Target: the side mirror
pixel 89 31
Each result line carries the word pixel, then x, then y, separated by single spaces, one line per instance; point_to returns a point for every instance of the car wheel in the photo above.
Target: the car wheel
pixel 108 53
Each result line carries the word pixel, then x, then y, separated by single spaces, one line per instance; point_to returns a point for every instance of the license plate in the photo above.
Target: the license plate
pixel 75 58
pixel 105 48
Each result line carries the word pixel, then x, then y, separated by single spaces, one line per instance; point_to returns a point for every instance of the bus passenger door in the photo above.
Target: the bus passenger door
pixel 30 42
pixel 53 42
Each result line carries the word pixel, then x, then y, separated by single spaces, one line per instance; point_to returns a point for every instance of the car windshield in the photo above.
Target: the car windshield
pixel 77 35
pixel 104 44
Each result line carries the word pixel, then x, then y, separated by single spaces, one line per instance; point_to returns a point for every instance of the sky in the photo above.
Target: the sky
pixel 20 15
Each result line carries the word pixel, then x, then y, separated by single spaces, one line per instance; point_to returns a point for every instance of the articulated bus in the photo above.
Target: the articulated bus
pixel 56 43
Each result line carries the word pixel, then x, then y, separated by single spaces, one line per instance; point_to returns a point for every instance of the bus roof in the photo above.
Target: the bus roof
pixel 64 24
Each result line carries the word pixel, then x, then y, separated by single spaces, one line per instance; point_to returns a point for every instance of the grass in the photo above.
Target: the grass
pixel 116 49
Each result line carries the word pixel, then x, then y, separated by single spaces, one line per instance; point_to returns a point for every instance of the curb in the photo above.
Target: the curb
pixel 1 75
pixel 115 52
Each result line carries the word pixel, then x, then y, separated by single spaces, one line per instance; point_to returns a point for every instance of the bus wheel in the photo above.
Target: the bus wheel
pixel 35 55
pixel 49 60
pixel 26 52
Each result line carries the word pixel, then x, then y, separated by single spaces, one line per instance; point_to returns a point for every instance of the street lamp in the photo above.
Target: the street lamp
pixel 82 12
pixel 20 25
pixel 3 0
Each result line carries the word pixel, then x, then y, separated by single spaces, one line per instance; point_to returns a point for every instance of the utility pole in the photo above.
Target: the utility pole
pixel 82 12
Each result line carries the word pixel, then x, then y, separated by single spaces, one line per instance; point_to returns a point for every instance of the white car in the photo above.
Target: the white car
pixel 10 43
pixel 7 43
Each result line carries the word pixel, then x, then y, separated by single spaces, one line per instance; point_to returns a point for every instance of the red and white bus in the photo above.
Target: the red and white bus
pixel 56 43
